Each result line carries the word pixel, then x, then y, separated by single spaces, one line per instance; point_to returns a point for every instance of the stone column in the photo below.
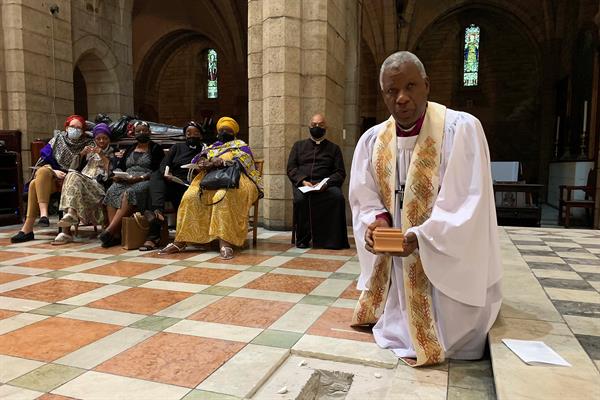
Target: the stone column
pixel 297 66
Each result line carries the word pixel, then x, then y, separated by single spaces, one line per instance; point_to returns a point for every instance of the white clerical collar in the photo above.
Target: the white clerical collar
pixel 317 141
pixel 410 128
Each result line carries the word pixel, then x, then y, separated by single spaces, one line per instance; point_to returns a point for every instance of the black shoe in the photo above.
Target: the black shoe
pixel 114 241
pixel 44 221
pixel 302 245
pixel 22 237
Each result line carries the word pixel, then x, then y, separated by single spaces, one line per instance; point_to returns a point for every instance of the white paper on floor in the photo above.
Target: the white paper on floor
pixel 534 352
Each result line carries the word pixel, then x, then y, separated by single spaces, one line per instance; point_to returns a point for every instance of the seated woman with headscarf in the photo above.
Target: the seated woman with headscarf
pixel 130 192
pixel 207 215
pixel 55 160
pixel 84 187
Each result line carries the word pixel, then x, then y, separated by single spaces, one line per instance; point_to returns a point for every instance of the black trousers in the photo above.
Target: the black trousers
pixel 162 191
pixel 320 217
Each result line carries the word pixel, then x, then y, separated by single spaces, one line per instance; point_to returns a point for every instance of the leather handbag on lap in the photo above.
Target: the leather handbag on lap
pixel 134 231
pixel 222 178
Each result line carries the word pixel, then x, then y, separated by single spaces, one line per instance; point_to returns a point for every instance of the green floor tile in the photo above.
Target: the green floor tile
pixel 219 290
pixel 47 377
pixel 56 274
pixel 260 268
pixel 117 258
pixel 318 300
pixel 204 395
pixel 343 275
pixel 275 338
pixel 155 323
pixel 53 309
pixel 132 282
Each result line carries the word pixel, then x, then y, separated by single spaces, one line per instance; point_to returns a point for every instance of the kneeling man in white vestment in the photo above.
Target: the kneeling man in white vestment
pixel 425 170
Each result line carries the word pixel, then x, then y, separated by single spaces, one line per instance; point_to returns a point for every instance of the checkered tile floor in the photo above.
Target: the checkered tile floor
pixel 567 265
pixel 81 321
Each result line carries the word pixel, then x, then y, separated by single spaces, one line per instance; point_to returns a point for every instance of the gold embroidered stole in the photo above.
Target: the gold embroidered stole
pixel 421 189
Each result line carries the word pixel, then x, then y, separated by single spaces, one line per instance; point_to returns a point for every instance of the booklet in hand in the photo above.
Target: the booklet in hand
pixel 315 188
pixel 121 174
pixel 190 166
pixel 175 179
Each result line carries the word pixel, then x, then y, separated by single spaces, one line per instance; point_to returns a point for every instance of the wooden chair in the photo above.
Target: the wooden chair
pixel 567 202
pixel 253 218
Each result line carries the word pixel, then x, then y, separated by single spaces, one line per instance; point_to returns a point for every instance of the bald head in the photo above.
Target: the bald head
pixel 397 60
pixel 317 120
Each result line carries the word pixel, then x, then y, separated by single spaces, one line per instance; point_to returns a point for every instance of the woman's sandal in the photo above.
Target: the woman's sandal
pixel 62 238
pixel 172 248
pixel 148 245
pixel 226 253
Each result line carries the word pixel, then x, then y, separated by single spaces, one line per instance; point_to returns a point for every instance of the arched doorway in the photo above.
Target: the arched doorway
pixel 506 98
pixel 95 87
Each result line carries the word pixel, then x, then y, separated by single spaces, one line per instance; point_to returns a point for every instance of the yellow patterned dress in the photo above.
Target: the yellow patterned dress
pixel 199 222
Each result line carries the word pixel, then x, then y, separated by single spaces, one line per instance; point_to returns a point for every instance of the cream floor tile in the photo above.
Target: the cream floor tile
pixel 275 261
pixel 585 296
pixel 187 307
pixel 330 287
pixel 87 265
pixel 159 272
pixel 564 244
pixel 301 272
pixel 23 247
pixel 594 269
pixel 22 283
pixel 595 284
pixel 326 257
pixel 13 269
pixel 533 247
pixel 18 321
pixel 298 318
pixel 557 274
pixel 94 295
pixel 546 259
pixel 527 238
pixel 13 367
pixel 577 255
pixel 103 316
pixel 204 256
pixel 82 276
pixel 251 367
pixel 241 279
pixel 97 256
pixel 99 386
pixel 104 349
pixel 8 392
pixel 297 250
pixel 595 251
pixel 345 303
pixel 427 384
pixel 591 240
pixel 20 260
pixel 234 267
pixel 351 267
pixel 176 286
pixel 153 260
pixel 14 304
pixel 343 350
pixel 215 331
pixel 583 325
pixel 267 295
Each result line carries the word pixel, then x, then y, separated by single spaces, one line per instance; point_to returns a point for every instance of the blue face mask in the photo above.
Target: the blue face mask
pixel 74 133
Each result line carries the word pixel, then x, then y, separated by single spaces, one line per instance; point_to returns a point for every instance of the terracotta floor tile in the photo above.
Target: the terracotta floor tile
pixel 335 322
pixel 241 259
pixel 53 291
pixel 343 252
pixel 270 246
pixel 6 314
pixel 50 396
pixel 173 359
pixel 52 338
pixel 7 277
pixel 56 262
pixel 123 268
pixel 351 292
pixel 140 300
pixel 9 255
pixel 115 250
pixel 175 256
pixel 245 312
pixel 282 236
pixel 5 241
pixel 71 245
pixel 313 264
pixel 285 283
pixel 203 276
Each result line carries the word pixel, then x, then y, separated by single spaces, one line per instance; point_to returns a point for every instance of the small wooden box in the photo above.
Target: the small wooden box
pixel 388 240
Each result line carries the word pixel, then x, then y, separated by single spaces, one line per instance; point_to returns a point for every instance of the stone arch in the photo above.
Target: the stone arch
pixel 98 67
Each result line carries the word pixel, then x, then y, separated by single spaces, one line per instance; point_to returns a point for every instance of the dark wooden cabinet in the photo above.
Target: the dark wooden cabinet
pixel 525 210
pixel 11 188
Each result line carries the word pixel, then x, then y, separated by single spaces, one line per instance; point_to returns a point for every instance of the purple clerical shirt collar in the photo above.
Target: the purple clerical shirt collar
pixel 414 131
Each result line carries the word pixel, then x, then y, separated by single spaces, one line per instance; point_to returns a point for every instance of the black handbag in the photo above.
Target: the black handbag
pixel 222 178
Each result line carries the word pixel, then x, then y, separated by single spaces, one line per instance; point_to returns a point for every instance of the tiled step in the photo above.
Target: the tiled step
pixel 527 314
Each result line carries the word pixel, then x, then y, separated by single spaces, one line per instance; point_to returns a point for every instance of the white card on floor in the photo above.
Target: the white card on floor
pixel 534 352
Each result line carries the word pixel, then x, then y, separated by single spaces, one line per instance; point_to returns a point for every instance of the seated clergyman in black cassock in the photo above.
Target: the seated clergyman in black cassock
pixel 316 169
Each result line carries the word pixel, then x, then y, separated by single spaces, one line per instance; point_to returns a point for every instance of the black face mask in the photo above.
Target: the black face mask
pixel 225 137
pixel 194 141
pixel 142 137
pixel 317 132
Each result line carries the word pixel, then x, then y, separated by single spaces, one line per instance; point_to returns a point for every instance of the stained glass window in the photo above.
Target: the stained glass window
pixel 471 54
pixel 213 89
